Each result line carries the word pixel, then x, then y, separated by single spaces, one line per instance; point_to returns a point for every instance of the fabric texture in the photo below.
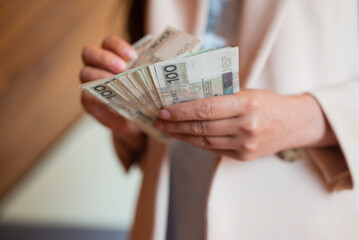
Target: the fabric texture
pixel 191 171
pixel 289 47
pixel 192 168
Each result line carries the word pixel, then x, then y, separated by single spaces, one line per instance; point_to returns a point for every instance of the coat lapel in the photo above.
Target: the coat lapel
pixel 259 25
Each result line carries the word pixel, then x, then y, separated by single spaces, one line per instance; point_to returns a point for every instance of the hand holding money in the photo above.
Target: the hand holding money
pixel 167 73
pixel 103 62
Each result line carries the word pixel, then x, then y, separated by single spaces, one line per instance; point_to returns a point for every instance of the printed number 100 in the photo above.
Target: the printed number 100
pixel 171 73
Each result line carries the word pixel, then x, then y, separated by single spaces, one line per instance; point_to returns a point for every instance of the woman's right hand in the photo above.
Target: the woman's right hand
pixel 103 62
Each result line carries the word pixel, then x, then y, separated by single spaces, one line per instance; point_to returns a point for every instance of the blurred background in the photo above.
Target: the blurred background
pixel 59 175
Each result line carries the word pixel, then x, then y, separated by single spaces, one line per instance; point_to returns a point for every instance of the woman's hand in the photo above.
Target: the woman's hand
pixel 104 62
pixel 249 124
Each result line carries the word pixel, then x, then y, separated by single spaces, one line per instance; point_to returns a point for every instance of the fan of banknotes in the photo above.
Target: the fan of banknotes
pixel 167 72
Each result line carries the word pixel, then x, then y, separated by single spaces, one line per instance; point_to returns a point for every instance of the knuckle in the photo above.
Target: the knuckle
pixel 202 141
pixel 253 103
pixel 205 142
pixel 205 110
pixel 249 147
pixel 252 127
pixel 179 114
pixel 198 127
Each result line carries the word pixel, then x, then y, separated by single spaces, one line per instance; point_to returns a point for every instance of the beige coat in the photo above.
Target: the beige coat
pixel 290 47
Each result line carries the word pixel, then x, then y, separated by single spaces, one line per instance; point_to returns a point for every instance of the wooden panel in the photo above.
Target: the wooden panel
pixel 40 60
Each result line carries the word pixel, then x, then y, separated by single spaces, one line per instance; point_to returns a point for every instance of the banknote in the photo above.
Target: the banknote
pixel 207 74
pixel 167 72
pixel 170 43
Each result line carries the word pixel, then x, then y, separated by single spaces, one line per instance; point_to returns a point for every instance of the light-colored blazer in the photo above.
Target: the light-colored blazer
pixel 290 47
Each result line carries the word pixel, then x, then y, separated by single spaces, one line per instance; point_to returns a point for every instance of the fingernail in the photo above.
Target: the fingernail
pixel 118 65
pixel 164 114
pixel 158 125
pixel 130 54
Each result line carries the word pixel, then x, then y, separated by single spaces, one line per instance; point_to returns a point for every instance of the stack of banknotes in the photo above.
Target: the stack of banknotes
pixel 167 72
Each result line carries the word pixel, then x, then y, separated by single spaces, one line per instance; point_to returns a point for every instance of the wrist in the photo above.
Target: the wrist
pixel 126 154
pixel 133 140
pixel 309 126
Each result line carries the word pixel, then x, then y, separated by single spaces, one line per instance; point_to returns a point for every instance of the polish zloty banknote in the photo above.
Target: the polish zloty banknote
pixel 170 43
pixel 196 76
pixel 167 73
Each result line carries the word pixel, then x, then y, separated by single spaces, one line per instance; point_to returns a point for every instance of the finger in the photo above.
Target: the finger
pixel 223 142
pixel 104 59
pixel 120 47
pixel 122 129
pixel 236 155
pixel 105 115
pixel 203 109
pixel 229 153
pixel 89 74
pixel 220 127
pixel 133 142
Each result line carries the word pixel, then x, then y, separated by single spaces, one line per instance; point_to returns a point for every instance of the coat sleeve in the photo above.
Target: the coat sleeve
pixel 339 101
pixel 340 104
pixel 126 156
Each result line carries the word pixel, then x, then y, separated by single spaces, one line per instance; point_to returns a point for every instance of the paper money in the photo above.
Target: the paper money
pixel 167 73
pixel 208 74
pixel 171 42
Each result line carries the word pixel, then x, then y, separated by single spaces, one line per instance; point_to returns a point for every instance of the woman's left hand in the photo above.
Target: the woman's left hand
pixel 248 124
